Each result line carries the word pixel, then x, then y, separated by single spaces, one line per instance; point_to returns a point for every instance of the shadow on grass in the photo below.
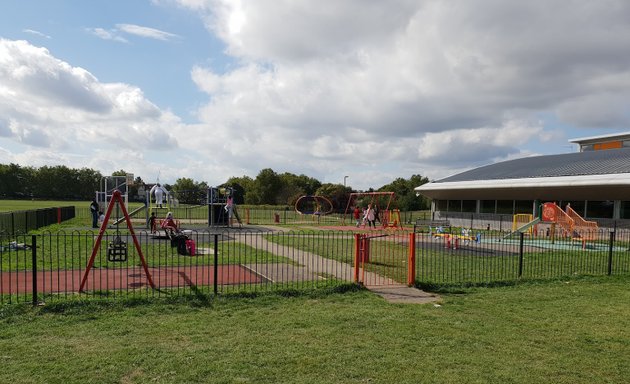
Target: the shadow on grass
pixel 467 287
pixel 105 300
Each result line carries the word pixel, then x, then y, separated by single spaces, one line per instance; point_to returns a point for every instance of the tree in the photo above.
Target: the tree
pixel 405 194
pixel 265 188
pixel 336 193
pixel 87 182
pixel 242 187
pixel 187 191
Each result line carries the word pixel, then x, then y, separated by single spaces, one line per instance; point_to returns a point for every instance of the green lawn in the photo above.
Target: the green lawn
pixel 25 205
pixel 574 331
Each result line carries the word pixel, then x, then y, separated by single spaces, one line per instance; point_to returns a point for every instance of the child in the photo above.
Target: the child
pixel 170 225
pixel 357 216
pixel 101 218
pixel 152 223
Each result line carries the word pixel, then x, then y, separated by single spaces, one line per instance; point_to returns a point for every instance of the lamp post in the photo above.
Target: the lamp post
pixel 344 181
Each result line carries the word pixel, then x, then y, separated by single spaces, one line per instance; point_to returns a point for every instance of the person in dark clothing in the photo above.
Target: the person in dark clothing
pixel 94 208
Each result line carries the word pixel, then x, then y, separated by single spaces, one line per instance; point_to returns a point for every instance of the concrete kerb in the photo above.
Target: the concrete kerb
pixel 316 266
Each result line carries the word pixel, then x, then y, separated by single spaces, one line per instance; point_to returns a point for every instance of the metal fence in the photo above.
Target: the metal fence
pixel 257 216
pixel 17 222
pixel 56 266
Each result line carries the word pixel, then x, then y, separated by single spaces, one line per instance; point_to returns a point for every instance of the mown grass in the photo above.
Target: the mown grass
pixel 25 205
pixel 71 250
pixel 573 331
pixel 473 263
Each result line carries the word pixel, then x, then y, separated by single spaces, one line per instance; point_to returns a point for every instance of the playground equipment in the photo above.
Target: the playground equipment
pixel 573 225
pixel 313 205
pixel 520 223
pixel 221 207
pixel 452 240
pixel 117 249
pixel 131 214
pixel 158 199
pixel 381 201
pixel 110 184
pixel 523 223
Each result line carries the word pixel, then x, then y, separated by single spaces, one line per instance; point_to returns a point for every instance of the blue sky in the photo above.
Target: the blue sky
pixel 374 90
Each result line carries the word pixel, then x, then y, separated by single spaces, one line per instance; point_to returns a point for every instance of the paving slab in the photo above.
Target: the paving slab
pixel 404 294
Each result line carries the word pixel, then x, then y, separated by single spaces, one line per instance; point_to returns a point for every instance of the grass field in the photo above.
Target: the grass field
pixel 574 331
pixel 23 205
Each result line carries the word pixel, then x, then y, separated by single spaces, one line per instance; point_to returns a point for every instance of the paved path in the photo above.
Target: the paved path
pixel 316 266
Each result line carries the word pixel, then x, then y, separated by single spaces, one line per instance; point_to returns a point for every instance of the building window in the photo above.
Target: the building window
pixel 600 209
pixel 441 205
pixel 488 206
pixel 579 206
pixel 523 206
pixel 469 206
pixel 454 205
pixel 505 207
pixel 625 210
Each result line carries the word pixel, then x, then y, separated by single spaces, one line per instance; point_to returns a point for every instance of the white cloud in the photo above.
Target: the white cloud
pixel 116 34
pixel 370 89
pixel 36 33
pixel 107 35
pixel 465 81
pixel 49 104
pixel 148 32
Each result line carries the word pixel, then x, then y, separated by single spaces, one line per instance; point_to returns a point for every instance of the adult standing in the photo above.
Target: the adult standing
pixel 159 193
pixel 94 208
pixel 369 216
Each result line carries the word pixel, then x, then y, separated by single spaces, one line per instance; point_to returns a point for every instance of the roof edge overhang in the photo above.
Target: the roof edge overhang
pixel 617 179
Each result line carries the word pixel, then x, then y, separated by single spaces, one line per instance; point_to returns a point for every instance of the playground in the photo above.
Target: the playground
pixel 369 243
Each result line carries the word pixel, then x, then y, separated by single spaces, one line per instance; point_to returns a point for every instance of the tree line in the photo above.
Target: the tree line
pixel 267 188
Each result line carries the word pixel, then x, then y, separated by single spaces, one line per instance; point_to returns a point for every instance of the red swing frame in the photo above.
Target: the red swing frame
pixel 116 199
pixel 355 195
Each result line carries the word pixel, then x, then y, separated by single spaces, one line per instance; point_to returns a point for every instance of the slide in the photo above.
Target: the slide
pixel 131 214
pixel 523 227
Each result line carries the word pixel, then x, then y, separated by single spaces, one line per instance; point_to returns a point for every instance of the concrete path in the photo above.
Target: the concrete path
pixel 316 266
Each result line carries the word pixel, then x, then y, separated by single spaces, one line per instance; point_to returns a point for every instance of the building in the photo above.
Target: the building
pixel 595 181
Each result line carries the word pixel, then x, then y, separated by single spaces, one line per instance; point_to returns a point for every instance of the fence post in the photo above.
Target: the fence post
pixel 610 252
pixel 34 268
pixel 357 256
pixel 216 264
pixel 411 260
pixel 520 255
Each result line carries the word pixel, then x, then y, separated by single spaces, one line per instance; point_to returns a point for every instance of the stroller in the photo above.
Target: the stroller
pixel 184 244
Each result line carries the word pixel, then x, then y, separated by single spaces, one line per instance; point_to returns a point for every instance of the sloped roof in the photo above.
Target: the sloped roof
pixel 589 175
pixel 608 162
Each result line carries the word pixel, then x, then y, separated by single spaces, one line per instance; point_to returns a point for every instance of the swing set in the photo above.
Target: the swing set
pixel 117 249
pixel 381 201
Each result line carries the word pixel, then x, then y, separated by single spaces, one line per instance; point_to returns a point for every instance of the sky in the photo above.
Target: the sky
pixel 354 91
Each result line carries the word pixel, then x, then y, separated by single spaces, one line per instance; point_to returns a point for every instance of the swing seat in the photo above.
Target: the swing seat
pixel 117 250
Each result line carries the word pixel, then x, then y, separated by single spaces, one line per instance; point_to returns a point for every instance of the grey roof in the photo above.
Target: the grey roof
pixel 606 162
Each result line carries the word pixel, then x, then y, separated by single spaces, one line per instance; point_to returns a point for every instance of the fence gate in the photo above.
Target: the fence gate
pixel 383 259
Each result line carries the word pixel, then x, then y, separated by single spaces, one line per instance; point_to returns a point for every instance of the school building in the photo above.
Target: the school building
pixel 595 181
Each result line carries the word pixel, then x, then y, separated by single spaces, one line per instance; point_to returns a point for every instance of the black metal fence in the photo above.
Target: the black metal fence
pixel 257 216
pixel 56 266
pixel 21 222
